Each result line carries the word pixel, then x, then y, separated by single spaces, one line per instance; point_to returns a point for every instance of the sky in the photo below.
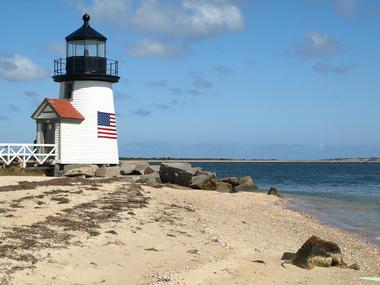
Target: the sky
pixel 283 79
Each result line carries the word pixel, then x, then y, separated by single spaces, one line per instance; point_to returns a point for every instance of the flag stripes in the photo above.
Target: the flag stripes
pixel 107 125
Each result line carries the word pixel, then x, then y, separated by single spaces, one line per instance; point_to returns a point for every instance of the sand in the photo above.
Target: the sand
pixel 117 233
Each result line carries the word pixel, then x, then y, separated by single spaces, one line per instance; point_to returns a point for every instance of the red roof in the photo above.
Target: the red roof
pixel 64 109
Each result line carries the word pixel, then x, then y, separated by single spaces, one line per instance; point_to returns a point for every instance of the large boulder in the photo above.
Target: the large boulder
pixel 224 187
pixel 135 168
pixel 246 184
pixel 318 252
pixel 151 178
pixel 203 182
pixel 108 171
pixel 273 191
pixel 230 180
pixel 72 170
pixel 176 173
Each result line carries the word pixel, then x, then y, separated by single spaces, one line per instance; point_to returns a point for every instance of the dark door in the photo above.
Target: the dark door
pixel 48 133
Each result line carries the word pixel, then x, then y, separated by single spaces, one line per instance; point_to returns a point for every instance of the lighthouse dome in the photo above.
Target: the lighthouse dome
pixel 86 32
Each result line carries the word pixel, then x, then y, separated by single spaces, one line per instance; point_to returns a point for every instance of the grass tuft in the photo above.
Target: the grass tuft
pixel 18 171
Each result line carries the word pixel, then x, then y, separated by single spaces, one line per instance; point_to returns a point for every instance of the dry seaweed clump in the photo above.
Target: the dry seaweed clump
pixel 18 171
pixel 21 244
pixel 87 217
pixel 29 185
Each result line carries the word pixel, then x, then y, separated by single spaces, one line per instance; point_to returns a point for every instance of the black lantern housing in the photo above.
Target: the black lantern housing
pixel 86 57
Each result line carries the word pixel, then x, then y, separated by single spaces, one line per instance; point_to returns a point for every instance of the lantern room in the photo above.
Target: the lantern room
pixel 86 57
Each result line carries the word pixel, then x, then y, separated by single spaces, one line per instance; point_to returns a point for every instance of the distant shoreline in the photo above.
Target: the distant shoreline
pixel 255 160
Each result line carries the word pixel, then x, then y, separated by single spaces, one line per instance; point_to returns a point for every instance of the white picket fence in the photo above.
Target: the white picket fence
pixel 28 153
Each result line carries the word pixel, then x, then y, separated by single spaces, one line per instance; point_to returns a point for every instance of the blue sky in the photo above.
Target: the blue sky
pixel 289 79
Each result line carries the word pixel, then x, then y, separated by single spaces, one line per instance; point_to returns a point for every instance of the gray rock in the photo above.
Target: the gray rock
pixel 150 178
pixel 149 170
pixel 156 168
pixel 108 171
pixel 176 173
pixel 230 180
pixel 175 186
pixel 124 163
pixel 185 166
pixel 87 170
pixel 273 191
pixel 203 182
pixel 138 168
pixel 246 184
pixel 224 187
pixel 204 172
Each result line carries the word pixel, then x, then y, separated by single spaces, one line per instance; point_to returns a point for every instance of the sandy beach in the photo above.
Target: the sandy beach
pixel 69 231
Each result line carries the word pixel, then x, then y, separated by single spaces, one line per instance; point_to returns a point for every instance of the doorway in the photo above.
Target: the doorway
pixel 48 133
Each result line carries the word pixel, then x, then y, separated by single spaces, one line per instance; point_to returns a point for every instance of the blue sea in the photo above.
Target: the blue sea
pixel 345 195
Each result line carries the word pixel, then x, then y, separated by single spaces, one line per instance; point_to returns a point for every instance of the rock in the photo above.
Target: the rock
pixel 175 186
pixel 124 163
pixel 176 173
pixel 199 172
pixel 318 252
pixel 150 178
pixel 273 191
pixel 139 168
pixel 108 171
pixel 224 187
pixel 246 184
pixel 354 266
pixel 71 170
pixel 230 180
pixel 203 182
pixel 156 168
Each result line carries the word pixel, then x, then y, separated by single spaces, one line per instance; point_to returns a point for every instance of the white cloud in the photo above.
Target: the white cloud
pixel 154 48
pixel 186 19
pixel 16 67
pixel 174 24
pixel 346 7
pixel 318 45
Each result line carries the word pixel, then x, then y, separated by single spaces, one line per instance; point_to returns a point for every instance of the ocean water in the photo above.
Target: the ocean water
pixel 346 195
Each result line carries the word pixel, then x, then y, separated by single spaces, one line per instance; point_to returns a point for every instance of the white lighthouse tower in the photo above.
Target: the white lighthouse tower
pixel 82 121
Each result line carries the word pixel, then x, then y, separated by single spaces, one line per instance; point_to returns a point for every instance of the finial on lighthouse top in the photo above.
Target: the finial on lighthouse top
pixel 86 19
pixel 85 32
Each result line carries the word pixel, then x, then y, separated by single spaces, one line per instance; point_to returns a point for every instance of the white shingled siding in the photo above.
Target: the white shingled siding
pixel 79 142
pixel 57 142
pixel 39 133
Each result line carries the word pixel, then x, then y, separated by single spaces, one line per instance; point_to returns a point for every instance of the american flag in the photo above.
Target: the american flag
pixel 106 125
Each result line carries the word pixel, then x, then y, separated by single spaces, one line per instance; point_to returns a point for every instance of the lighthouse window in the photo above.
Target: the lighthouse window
pixel 101 49
pixel 86 48
pixel 68 92
pixel 79 48
pixel 70 49
pixel 91 48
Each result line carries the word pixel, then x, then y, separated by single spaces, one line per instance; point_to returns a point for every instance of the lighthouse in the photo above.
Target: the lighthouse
pixel 81 122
